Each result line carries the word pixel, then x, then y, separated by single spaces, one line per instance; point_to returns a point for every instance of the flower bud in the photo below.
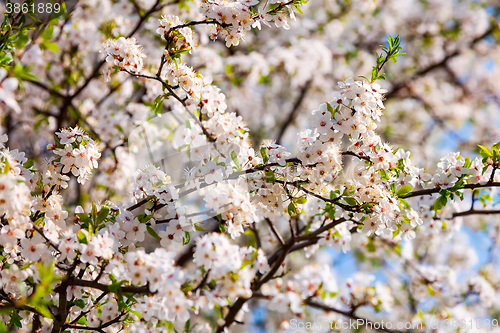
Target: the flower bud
pixel 284 325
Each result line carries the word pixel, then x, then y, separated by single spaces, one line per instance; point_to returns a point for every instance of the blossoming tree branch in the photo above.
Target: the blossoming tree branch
pixel 101 232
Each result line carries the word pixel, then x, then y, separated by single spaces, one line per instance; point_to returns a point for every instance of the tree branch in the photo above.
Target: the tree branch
pixel 437 190
pixel 349 314
pixel 106 288
pixel 402 84
pixel 295 108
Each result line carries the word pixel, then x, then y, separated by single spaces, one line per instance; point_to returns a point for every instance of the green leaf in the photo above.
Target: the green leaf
pixel 468 162
pixel 485 152
pixel 94 211
pixel 84 218
pixel 6 167
pixel 291 209
pixel 15 320
pixel 405 203
pixel 440 203
pixel 383 174
pixel 263 153
pixel 496 155
pixel 333 195
pixel 5 59
pixel 47 34
pixel 404 190
pixel 136 313
pixel 28 164
pixel 143 218
pixel 348 192
pixel 187 238
pixel 23 72
pixel 395 233
pixel 103 213
pixel 393 188
pixel 199 228
pixel 301 200
pixel 153 233
pixel 330 109
pixel 187 325
pixel 351 201
pixel 158 105
pixel 80 303
pixel 234 157
pixel 370 246
pixel 50 46
pixel 374 75
pixel 82 238
pixel 270 178
pixel 27 265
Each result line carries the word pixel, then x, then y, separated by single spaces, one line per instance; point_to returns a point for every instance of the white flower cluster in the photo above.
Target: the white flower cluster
pixel 451 168
pixel 231 133
pixel 188 134
pixel 280 18
pixel 436 277
pixel 52 207
pixel 276 153
pixel 323 152
pixel 78 154
pixel 313 279
pixel 357 105
pixel 15 198
pixel 186 78
pixel 124 53
pixel 141 268
pixel 215 252
pixel 175 233
pixel 230 266
pixel 128 229
pixel 7 88
pixel 156 270
pixel 52 177
pixel 233 202
pixel 110 125
pixel 183 38
pixel 359 289
pixel 340 236
pixel 170 305
pixel 102 246
pixel 235 17
pixel 11 278
pixel 152 181
pixel 168 22
pixel 213 101
pixel 483 289
pixel 310 282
